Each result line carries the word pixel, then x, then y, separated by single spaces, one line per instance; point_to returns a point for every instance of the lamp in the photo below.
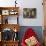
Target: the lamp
pixel 15 3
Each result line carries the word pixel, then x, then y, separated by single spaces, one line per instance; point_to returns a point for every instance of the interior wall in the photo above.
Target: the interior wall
pixel 38 21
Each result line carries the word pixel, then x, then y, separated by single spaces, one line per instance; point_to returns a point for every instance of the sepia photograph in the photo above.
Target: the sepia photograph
pixel 29 12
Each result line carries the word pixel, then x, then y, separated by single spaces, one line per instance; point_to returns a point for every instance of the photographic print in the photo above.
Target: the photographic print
pixel 29 12
pixel 5 12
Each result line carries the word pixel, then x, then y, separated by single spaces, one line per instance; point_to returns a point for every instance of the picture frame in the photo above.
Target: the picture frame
pixel 5 12
pixel 29 12
pixel 13 12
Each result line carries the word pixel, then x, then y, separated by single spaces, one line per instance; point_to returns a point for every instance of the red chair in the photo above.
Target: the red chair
pixel 29 33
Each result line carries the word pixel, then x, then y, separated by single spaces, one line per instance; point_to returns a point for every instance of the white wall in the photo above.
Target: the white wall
pixel 38 21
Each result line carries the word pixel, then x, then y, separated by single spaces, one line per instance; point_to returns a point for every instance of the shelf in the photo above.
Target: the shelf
pixel 11 41
pixel 7 16
pixel 8 10
pixel 11 26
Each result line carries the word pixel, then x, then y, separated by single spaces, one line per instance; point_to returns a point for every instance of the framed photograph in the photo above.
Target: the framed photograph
pixel 29 12
pixel 5 12
pixel 13 12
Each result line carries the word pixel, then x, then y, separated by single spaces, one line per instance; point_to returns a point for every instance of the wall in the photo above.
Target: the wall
pixel 38 21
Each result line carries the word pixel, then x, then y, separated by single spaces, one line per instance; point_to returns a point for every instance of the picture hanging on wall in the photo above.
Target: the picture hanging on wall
pixel 29 12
